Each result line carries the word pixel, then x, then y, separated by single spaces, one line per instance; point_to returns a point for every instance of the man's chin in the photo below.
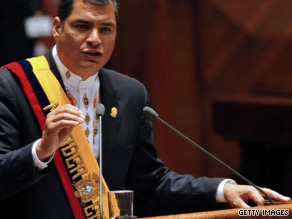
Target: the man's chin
pixel 89 70
pixel 90 66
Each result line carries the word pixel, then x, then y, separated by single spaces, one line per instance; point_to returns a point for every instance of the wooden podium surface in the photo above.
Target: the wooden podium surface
pixel 268 211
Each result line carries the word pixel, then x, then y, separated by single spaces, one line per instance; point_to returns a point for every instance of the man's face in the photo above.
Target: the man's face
pixel 86 41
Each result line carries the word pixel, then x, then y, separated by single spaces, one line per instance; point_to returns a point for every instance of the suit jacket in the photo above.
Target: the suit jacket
pixel 129 156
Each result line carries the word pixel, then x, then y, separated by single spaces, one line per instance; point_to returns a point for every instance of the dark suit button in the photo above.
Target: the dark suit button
pixel 22 177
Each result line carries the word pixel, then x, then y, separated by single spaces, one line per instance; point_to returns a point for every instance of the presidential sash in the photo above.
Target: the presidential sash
pixel 75 162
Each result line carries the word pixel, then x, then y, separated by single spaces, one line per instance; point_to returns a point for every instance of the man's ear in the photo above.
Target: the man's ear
pixel 57 28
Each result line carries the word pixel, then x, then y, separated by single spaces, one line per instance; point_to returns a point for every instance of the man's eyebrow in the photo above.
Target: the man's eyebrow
pixel 109 24
pixel 82 21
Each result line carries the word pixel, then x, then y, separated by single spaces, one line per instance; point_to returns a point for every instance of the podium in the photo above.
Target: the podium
pixel 263 212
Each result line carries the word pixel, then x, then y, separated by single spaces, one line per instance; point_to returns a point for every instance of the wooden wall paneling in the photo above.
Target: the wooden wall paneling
pixel 190 53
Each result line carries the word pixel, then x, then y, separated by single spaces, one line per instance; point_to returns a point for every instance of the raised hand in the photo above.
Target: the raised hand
pixel 59 125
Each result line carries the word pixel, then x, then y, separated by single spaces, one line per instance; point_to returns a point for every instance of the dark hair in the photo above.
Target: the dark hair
pixel 66 6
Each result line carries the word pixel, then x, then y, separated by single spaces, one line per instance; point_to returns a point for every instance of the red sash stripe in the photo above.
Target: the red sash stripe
pixel 67 185
pixel 38 100
pixel 16 68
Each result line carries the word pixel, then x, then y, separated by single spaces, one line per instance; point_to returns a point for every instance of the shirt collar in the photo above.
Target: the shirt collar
pixel 71 78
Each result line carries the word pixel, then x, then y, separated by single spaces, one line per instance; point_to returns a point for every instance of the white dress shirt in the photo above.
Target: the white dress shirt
pixel 85 96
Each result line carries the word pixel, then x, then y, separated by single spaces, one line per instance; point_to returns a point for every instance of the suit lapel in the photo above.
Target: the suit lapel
pixel 54 67
pixel 111 120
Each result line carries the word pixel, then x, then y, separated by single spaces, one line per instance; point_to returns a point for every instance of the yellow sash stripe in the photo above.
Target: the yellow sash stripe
pixel 55 93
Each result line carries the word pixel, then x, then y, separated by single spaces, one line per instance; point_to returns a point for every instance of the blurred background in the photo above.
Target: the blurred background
pixel 26 28
pixel 217 70
pixel 220 71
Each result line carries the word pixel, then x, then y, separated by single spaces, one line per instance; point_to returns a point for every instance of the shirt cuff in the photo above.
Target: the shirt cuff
pixel 39 164
pixel 220 190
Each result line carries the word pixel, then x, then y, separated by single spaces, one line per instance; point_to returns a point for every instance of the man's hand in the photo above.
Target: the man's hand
pixel 59 125
pixel 238 195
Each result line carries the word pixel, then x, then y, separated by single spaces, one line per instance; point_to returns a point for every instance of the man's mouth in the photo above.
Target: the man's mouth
pixel 93 53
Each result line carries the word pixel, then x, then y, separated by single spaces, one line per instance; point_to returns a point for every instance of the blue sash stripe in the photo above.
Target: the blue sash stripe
pixel 37 88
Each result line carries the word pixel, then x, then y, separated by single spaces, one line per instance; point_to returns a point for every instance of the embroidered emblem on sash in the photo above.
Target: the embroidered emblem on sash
pixel 87 189
pixel 85 101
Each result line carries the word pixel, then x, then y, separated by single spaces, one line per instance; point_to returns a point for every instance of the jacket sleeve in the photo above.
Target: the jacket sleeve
pixel 160 189
pixel 18 131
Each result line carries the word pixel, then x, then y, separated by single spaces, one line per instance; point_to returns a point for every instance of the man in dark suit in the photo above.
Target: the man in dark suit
pixel 30 186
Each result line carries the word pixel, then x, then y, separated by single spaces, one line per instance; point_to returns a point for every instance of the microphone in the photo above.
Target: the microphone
pixel 100 109
pixel 151 114
pixel 100 112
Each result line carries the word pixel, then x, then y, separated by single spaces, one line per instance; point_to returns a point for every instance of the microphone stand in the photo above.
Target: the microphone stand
pixel 150 113
pixel 100 168
pixel 100 111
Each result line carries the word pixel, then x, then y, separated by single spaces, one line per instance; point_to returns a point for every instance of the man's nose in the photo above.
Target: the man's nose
pixel 94 38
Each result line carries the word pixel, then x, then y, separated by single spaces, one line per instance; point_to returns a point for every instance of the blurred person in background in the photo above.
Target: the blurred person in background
pixel 18 21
